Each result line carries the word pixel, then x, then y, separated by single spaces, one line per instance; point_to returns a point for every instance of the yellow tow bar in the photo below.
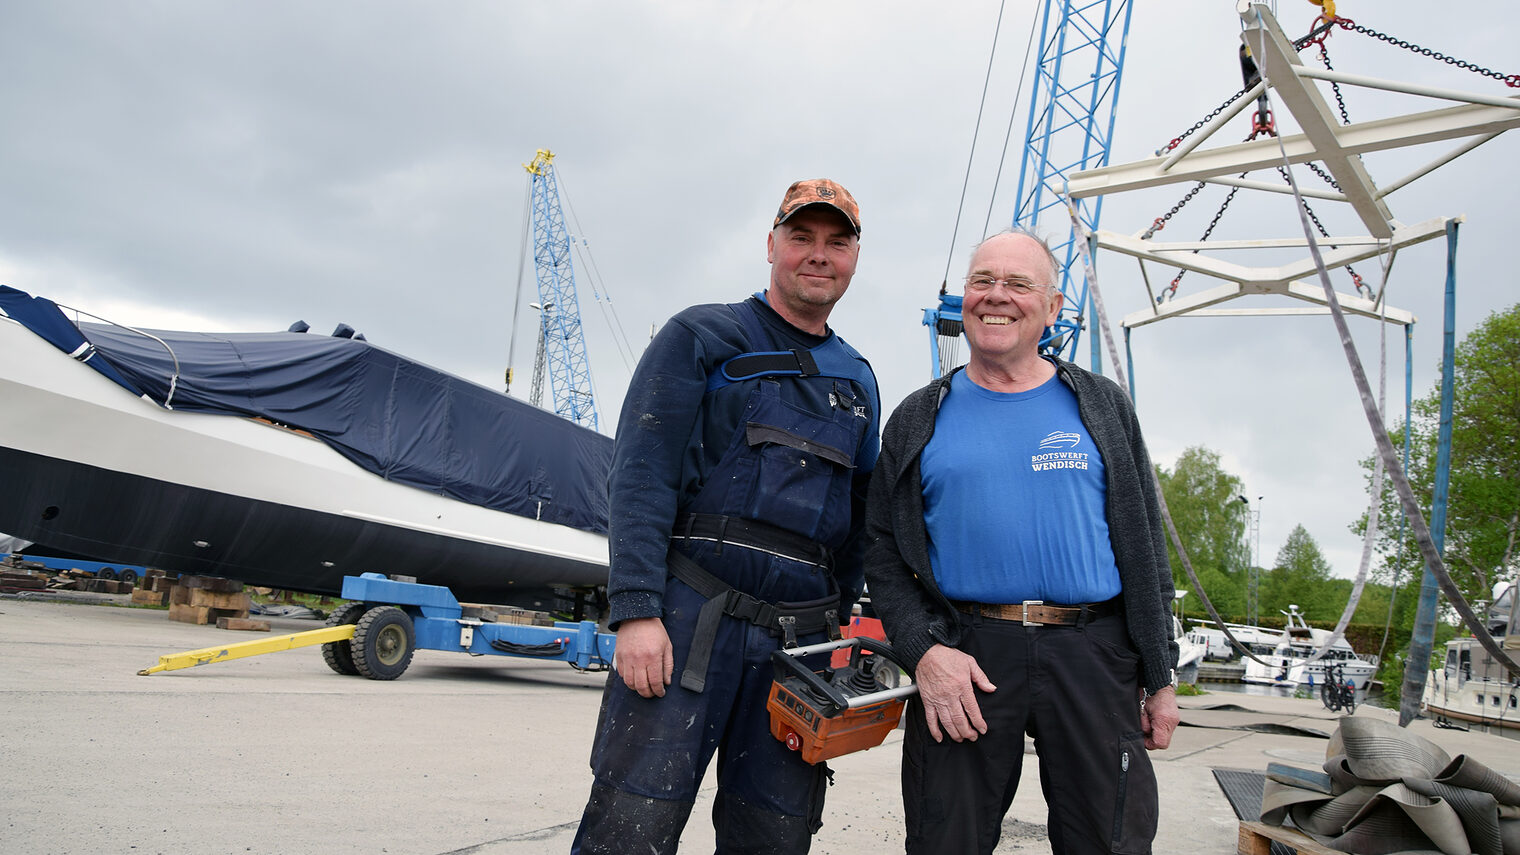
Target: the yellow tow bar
pixel 242 650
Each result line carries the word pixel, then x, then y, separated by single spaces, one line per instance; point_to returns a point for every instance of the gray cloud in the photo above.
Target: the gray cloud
pixel 361 162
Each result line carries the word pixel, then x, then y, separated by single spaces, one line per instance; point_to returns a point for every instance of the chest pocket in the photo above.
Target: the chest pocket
pixel 794 466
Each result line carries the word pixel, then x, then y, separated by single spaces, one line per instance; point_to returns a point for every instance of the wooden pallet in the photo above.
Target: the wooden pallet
pixel 149 597
pixel 243 624
pixel 1256 839
pixel 205 599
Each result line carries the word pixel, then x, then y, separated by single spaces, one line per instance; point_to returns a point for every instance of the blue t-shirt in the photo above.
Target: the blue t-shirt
pixel 1015 498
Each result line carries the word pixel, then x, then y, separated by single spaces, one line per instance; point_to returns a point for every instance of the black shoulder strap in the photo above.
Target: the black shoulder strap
pixel 760 363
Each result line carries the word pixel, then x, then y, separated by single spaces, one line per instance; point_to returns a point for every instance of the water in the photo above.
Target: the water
pixel 1363 696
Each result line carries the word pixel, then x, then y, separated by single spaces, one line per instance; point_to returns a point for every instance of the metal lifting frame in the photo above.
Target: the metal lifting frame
pixel 560 331
pixel 1480 118
pixel 1339 147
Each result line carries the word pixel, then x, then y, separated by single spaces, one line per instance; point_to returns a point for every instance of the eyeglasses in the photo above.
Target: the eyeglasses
pixel 1014 286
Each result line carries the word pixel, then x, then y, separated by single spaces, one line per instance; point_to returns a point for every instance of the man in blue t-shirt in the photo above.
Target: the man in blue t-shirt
pixel 737 497
pixel 1017 559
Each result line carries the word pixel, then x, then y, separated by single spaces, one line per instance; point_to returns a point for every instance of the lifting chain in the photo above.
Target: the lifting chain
pixel 1171 290
pixel 1340 100
pixel 1160 222
pixel 1324 176
pixel 1356 278
pixel 1511 80
pixel 1176 141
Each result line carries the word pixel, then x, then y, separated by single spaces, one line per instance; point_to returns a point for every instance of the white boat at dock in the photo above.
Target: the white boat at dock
pixel 1189 654
pixel 1216 647
pixel 1288 664
pixel 1471 686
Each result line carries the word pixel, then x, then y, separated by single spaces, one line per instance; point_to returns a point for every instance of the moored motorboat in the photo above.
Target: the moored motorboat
pixel 1189 654
pixel 1217 647
pixel 1289 664
pixel 1471 686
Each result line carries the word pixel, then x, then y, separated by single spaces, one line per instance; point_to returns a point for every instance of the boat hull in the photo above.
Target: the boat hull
pixel 1488 702
pixel 92 469
pixel 1473 686
pixel 1291 672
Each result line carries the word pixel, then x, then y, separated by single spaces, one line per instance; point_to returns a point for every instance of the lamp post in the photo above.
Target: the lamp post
pixel 536 396
pixel 1253 557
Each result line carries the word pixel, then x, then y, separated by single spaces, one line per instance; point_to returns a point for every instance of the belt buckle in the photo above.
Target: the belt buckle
pixel 1024 611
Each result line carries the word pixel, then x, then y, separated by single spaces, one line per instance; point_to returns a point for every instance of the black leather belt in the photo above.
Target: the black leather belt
pixel 750 534
pixel 1041 613
pixel 788 620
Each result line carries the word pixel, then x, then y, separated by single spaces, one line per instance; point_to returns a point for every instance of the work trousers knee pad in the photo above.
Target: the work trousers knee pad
pixel 616 822
pixel 746 829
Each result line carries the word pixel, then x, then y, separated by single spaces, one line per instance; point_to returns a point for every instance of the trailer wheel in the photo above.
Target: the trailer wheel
pixel 384 642
pixel 339 655
pixel 128 576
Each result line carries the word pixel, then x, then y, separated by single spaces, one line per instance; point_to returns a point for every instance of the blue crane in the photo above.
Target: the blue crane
pixel 561 345
pixel 1071 123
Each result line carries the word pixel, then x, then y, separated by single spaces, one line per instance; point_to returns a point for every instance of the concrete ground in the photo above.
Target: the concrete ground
pixel 277 754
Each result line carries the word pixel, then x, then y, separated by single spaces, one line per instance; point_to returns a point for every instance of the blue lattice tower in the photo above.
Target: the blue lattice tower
pixel 564 346
pixel 1071 122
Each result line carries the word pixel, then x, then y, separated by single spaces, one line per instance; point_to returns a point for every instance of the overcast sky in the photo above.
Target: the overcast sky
pixel 237 166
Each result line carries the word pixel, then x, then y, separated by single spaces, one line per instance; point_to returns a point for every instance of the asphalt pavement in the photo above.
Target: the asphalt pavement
pixel 277 754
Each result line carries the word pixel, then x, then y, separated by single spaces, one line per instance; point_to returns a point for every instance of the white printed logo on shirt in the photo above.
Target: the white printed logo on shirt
pixel 1050 459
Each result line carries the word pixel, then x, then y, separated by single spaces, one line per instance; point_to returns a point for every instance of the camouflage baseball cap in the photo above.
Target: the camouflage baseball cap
pixel 818 191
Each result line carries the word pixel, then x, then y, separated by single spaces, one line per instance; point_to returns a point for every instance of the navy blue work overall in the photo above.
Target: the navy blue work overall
pixel 789 465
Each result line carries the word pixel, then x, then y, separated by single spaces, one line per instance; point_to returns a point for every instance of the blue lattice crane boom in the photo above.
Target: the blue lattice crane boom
pixel 1070 128
pixel 560 337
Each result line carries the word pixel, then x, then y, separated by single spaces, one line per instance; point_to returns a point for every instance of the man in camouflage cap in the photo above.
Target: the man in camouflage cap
pixel 737 495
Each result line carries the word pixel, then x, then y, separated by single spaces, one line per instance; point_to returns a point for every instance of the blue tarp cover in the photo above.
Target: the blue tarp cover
pixel 399 419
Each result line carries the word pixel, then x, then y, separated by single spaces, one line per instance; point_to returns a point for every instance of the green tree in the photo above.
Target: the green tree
pixel 1211 520
pixel 1301 576
pixel 1483 504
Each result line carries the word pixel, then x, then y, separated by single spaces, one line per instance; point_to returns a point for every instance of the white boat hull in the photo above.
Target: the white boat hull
pixel 92 469
pixel 1291 672
pixel 1473 687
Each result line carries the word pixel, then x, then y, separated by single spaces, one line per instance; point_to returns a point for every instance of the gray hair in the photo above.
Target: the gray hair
pixel 1050 257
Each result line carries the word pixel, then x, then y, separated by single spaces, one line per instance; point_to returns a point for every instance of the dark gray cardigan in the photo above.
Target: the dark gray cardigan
pixel 901 583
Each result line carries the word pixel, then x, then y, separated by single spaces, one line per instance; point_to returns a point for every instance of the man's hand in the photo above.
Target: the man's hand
pixel 643 656
pixel 945 677
pixel 1159 717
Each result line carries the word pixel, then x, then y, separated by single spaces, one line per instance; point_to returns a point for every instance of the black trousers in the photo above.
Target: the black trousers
pixel 1076 691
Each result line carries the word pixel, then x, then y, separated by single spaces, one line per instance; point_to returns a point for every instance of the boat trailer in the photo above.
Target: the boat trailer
pixel 386 621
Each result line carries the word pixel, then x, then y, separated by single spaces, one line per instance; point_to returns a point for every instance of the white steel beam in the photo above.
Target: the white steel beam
pixel 1284 279
pixel 1345 251
pixel 1279 64
pixel 1265 187
pixel 1355 139
pixel 1260 243
pixel 1197 305
pixel 1406 88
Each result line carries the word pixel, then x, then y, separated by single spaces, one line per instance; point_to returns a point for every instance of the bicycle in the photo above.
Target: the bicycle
pixel 1337 692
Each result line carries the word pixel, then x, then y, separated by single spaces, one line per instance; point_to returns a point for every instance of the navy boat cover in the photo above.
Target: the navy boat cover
pixel 399 419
